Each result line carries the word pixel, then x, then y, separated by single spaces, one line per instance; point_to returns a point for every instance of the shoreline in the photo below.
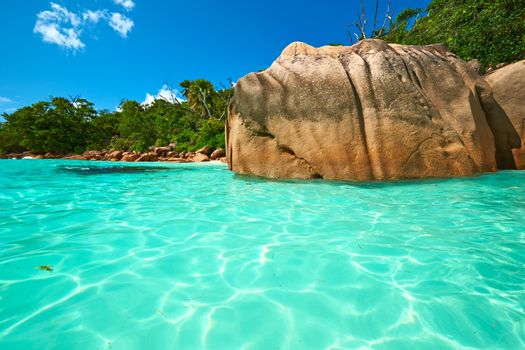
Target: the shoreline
pixel 155 154
pixel 216 161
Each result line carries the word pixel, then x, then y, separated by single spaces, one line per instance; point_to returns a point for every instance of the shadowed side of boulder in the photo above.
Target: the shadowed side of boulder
pixel 508 84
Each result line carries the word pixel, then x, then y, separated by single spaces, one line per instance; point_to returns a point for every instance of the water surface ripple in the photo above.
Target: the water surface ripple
pixel 190 256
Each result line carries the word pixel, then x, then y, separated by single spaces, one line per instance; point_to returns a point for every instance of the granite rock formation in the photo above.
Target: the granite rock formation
pixel 371 111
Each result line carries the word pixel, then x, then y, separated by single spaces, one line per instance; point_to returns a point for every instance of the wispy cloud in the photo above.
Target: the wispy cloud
pixel 165 93
pixel 64 28
pixel 5 100
pixel 127 4
pixel 94 16
pixel 121 24
pixel 59 26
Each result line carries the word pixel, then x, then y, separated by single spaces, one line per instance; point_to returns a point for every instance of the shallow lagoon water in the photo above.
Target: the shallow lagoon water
pixel 191 256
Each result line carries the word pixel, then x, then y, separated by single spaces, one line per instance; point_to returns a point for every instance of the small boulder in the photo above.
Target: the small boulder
pixel 92 154
pixel 204 150
pixel 130 157
pixel 161 151
pixel 200 157
pixel 218 153
pixel 148 157
pixel 115 155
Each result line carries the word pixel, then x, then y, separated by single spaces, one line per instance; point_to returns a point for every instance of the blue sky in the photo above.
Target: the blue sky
pixel 108 50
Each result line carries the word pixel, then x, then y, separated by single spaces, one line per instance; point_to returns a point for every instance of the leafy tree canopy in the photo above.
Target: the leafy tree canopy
pixel 72 125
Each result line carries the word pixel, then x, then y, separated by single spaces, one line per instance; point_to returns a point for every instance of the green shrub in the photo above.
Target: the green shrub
pixel 492 31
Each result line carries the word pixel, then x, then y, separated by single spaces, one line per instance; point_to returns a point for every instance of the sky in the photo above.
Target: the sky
pixel 110 50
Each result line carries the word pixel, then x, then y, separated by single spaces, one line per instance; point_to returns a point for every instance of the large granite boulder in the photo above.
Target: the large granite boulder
pixel 508 84
pixel 371 111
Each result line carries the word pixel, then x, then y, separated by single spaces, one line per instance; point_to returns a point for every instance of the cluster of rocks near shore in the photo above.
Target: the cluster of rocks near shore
pixel 155 154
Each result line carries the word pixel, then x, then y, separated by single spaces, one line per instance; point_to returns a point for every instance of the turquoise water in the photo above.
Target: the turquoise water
pixel 190 256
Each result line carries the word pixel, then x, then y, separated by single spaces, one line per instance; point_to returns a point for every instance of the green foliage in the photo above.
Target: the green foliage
pixel 103 129
pixel 204 100
pixel 8 141
pixel 133 143
pixel 492 31
pixel 63 125
pixel 57 126
pixel 210 133
pixel 135 125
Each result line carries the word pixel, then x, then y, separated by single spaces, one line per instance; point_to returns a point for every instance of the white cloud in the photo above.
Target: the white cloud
pixel 121 23
pixel 148 100
pixel 169 95
pixel 93 16
pixel 127 4
pixel 59 26
pixel 64 28
pixel 165 93
pixel 5 100
pixel 62 12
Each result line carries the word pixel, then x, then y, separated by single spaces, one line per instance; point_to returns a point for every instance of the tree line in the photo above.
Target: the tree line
pixel 64 125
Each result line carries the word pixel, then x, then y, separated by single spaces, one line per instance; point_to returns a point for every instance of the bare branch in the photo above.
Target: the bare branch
pixel 388 17
pixel 375 17
pixel 351 38
pixel 364 20
pixel 202 98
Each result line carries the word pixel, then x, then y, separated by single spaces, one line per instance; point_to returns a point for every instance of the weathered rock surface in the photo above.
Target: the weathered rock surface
pixel 200 157
pixel 218 153
pixel 148 157
pixel 205 150
pixel 508 84
pixel 162 151
pixel 371 111
pixel 115 155
pixel 92 155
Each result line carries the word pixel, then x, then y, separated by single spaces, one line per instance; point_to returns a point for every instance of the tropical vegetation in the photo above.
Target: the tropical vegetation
pixel 64 125
pixel 491 31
